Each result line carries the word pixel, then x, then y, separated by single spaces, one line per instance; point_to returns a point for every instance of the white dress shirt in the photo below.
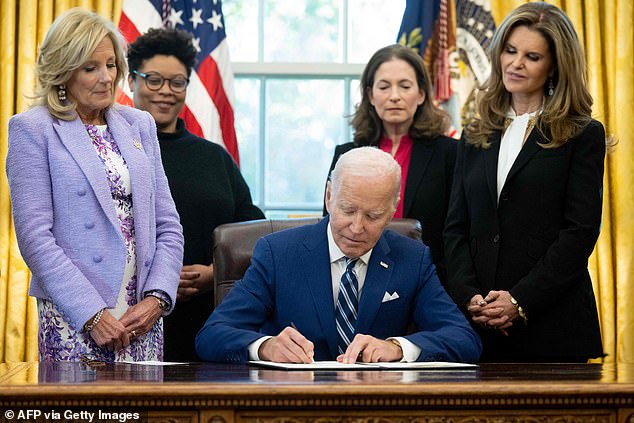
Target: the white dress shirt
pixel 337 268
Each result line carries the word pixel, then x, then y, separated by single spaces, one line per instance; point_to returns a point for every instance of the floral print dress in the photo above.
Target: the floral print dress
pixel 58 340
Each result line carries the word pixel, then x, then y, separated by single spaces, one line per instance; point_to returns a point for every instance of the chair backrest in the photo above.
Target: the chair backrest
pixel 234 243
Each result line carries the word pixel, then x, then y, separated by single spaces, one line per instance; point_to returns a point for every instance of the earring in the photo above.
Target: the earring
pixel 61 93
pixel 551 87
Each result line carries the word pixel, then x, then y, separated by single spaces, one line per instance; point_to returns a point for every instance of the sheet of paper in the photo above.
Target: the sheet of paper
pixel 317 365
pixel 155 363
pixel 335 365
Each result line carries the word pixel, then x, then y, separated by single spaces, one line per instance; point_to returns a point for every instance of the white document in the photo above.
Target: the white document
pixel 155 363
pixel 335 365
pixel 317 365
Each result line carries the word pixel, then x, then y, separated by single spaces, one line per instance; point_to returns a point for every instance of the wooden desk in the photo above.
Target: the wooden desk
pixel 216 393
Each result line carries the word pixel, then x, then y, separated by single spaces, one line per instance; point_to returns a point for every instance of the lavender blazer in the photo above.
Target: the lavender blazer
pixel 65 219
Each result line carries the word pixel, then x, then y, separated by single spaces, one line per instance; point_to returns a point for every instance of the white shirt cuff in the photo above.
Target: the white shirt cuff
pixel 255 346
pixel 411 351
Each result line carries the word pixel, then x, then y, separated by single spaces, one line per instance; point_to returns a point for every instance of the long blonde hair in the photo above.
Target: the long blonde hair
pixel 69 43
pixel 568 110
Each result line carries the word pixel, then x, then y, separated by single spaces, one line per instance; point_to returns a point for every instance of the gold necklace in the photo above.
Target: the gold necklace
pixel 529 126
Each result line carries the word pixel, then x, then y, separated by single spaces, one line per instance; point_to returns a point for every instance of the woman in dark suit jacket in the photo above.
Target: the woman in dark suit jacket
pixel 397 115
pixel 525 209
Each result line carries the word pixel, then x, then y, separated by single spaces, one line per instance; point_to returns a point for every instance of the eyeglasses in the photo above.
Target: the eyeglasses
pixel 155 81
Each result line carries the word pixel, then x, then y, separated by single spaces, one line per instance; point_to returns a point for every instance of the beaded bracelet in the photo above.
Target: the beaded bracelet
pixel 93 322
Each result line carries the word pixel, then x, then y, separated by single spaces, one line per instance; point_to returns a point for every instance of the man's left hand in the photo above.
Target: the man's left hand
pixel 368 349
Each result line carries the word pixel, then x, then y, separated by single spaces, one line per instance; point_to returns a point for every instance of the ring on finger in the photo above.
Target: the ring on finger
pixel 133 333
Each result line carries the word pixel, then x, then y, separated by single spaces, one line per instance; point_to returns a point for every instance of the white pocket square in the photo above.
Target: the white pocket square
pixel 389 297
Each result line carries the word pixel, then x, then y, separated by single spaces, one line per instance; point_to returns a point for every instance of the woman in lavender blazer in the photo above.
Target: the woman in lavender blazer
pixel 93 214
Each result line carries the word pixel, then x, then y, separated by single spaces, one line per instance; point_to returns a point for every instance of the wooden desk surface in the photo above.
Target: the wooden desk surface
pixel 235 389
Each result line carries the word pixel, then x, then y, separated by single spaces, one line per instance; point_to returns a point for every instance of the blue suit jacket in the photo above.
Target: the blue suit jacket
pixel 289 281
pixel 65 220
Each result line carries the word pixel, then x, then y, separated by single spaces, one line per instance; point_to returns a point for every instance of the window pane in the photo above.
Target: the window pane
pixel 301 31
pixel 355 94
pixel 247 114
pixel 355 99
pixel 304 123
pixel 241 19
pixel 372 24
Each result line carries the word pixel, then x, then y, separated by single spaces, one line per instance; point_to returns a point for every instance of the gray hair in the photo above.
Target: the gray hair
pixel 367 162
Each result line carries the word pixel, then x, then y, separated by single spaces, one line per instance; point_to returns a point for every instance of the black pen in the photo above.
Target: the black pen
pixel 295 327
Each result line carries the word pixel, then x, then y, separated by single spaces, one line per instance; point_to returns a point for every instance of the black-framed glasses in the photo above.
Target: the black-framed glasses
pixel 155 81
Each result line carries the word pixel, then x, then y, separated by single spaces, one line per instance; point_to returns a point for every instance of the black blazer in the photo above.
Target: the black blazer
pixel 535 243
pixel 427 189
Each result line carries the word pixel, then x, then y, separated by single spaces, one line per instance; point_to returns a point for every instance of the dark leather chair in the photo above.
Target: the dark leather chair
pixel 234 243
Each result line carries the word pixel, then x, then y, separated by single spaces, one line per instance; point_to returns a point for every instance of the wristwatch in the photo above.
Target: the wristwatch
pixel 520 310
pixel 161 302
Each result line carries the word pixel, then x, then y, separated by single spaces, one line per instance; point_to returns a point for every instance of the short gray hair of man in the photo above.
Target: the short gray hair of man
pixel 366 162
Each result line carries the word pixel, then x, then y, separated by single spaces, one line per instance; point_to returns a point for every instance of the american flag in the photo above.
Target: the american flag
pixel 454 50
pixel 208 110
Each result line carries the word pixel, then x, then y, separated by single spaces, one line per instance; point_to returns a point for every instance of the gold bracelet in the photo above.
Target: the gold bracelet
pixel 520 310
pixel 162 304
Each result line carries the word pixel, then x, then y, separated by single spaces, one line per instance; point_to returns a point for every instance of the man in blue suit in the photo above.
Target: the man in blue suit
pixel 305 298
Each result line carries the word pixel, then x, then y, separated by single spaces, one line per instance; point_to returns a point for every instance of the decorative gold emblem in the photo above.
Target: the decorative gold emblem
pixel 137 144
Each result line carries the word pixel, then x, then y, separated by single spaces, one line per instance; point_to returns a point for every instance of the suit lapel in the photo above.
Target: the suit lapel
pixel 422 152
pixel 528 150
pixel 75 138
pixel 128 139
pixel 491 165
pixel 315 260
pixel 376 281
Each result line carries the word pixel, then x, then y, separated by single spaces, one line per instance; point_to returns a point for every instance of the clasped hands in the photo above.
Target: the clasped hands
pixel 495 311
pixel 290 346
pixel 114 335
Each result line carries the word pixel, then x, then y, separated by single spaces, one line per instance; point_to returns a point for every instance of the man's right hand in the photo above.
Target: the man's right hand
pixel 289 346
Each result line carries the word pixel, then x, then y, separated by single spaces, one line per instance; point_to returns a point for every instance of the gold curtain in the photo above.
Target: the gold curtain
pixel 605 28
pixel 23 25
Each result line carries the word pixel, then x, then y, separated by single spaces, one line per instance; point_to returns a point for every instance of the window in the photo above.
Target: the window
pixel 297 65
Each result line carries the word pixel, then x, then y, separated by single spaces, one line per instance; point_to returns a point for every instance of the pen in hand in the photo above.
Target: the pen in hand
pixel 292 324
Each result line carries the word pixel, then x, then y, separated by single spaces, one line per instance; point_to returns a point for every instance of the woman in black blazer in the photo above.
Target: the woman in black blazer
pixel 397 115
pixel 525 209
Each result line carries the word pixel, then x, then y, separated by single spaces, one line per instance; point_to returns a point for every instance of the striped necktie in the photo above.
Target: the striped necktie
pixel 347 304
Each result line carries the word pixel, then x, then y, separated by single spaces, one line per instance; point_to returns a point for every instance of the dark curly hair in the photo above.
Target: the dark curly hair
pixel 166 41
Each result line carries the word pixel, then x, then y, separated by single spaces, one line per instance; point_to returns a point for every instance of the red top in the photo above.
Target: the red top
pixel 402 157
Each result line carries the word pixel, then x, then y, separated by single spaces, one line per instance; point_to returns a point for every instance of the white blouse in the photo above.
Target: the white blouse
pixel 511 144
